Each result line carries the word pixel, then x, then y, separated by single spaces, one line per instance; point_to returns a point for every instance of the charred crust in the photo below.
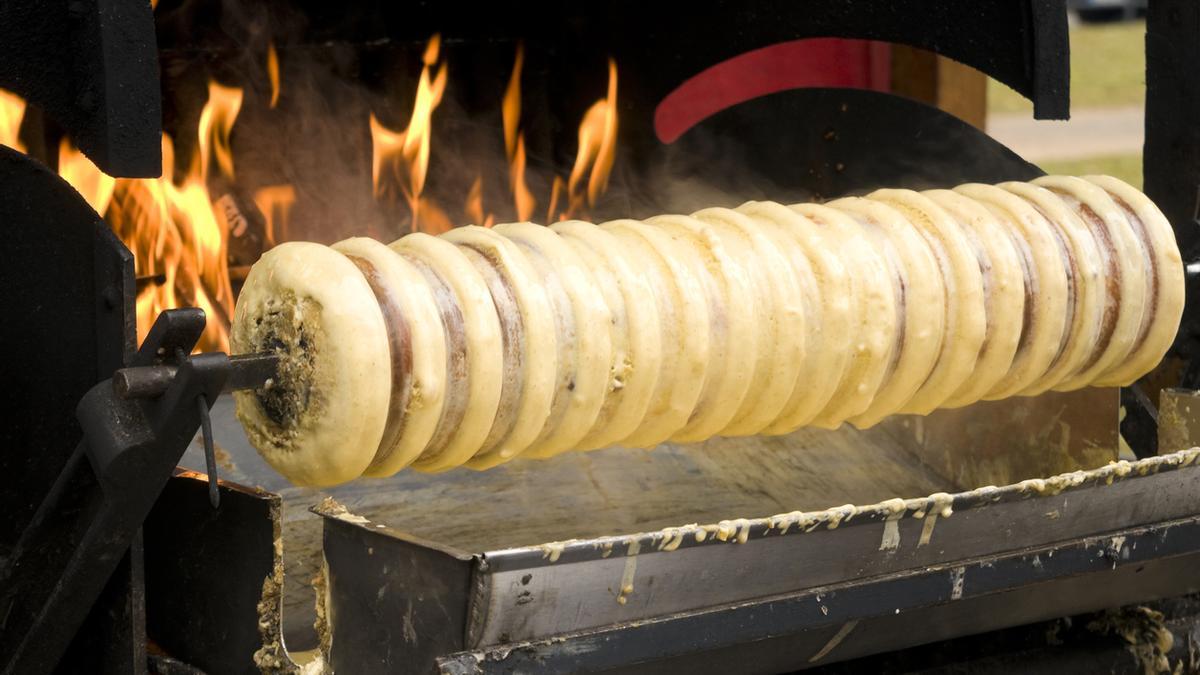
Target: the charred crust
pixel 284 328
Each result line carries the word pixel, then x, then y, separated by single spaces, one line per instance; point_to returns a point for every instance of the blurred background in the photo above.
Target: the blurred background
pixel 1108 87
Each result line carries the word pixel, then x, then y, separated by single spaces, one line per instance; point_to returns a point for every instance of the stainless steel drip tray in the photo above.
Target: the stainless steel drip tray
pixel 545 553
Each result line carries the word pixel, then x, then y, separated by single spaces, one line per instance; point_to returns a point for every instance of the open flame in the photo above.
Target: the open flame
pixel 593 160
pixel 176 233
pixel 597 149
pixel 87 179
pixel 402 158
pixel 514 141
pixel 12 111
pixel 216 122
pixel 273 74
pixel 275 202
pixel 179 227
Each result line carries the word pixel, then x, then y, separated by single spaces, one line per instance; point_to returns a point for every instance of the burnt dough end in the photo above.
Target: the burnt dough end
pixel 321 420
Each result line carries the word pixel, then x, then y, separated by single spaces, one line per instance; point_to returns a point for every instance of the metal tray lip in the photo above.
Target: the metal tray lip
pixel 250 491
pixel 332 510
pixel 741 530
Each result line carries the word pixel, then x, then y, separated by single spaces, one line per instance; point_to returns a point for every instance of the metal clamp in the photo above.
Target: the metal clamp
pixel 130 447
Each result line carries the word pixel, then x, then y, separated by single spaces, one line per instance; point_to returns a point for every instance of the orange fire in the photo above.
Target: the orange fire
pixel 275 202
pixel 273 73
pixel 216 121
pixel 94 185
pixel 597 149
pixel 179 232
pixel 474 205
pixel 396 154
pixel 514 141
pixel 12 111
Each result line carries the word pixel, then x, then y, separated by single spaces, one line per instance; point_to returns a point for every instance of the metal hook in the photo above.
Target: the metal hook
pixel 210 454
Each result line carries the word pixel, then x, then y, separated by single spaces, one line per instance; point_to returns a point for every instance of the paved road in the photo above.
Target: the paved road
pixel 1091 132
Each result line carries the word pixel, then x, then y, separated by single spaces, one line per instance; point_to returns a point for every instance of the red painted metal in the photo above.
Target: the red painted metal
pixel 812 62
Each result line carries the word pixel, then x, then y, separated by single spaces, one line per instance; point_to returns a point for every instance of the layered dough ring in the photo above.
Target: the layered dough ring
pixel 1167 281
pixel 635 333
pixel 475 358
pixel 920 293
pixel 1046 287
pixel 1002 273
pixel 1086 289
pixel 418 384
pixel 683 317
pixel 966 316
pixel 482 345
pixel 313 306
pixel 781 311
pixel 583 321
pixel 732 318
pixel 830 314
pixel 878 316
pixel 536 360
pixel 1094 204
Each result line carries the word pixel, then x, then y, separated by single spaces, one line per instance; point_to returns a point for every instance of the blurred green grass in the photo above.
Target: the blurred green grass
pixel 1108 69
pixel 1126 167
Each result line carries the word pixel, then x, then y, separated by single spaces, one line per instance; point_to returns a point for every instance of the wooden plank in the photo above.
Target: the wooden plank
pixel 945 83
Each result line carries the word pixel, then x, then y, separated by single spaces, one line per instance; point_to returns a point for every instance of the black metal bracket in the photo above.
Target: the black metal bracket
pixel 92 66
pixel 92 514
pixel 1139 427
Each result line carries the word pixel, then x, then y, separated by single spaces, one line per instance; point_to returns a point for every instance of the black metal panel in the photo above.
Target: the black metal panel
pixel 68 322
pixel 397 605
pixel 112 640
pixel 87 521
pixel 1084 643
pixel 92 65
pixel 1023 43
pixel 1171 158
pixel 205 571
pixel 821 143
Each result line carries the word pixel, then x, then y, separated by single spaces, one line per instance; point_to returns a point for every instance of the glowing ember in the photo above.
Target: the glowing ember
pixel 396 154
pixel 273 73
pixel 12 111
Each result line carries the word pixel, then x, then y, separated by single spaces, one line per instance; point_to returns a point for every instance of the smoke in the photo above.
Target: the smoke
pixel 317 138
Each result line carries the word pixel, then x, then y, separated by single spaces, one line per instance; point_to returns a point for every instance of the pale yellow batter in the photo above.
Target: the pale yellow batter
pixel 483 345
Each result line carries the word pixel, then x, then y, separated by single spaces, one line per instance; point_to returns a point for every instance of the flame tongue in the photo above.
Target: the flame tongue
pixel 398 153
pixel 597 149
pixel 75 168
pixel 514 141
pixel 12 111
pixel 216 121
pixel 273 74
pixel 180 234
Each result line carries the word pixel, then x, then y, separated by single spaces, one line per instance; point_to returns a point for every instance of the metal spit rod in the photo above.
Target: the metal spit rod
pixel 247 371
